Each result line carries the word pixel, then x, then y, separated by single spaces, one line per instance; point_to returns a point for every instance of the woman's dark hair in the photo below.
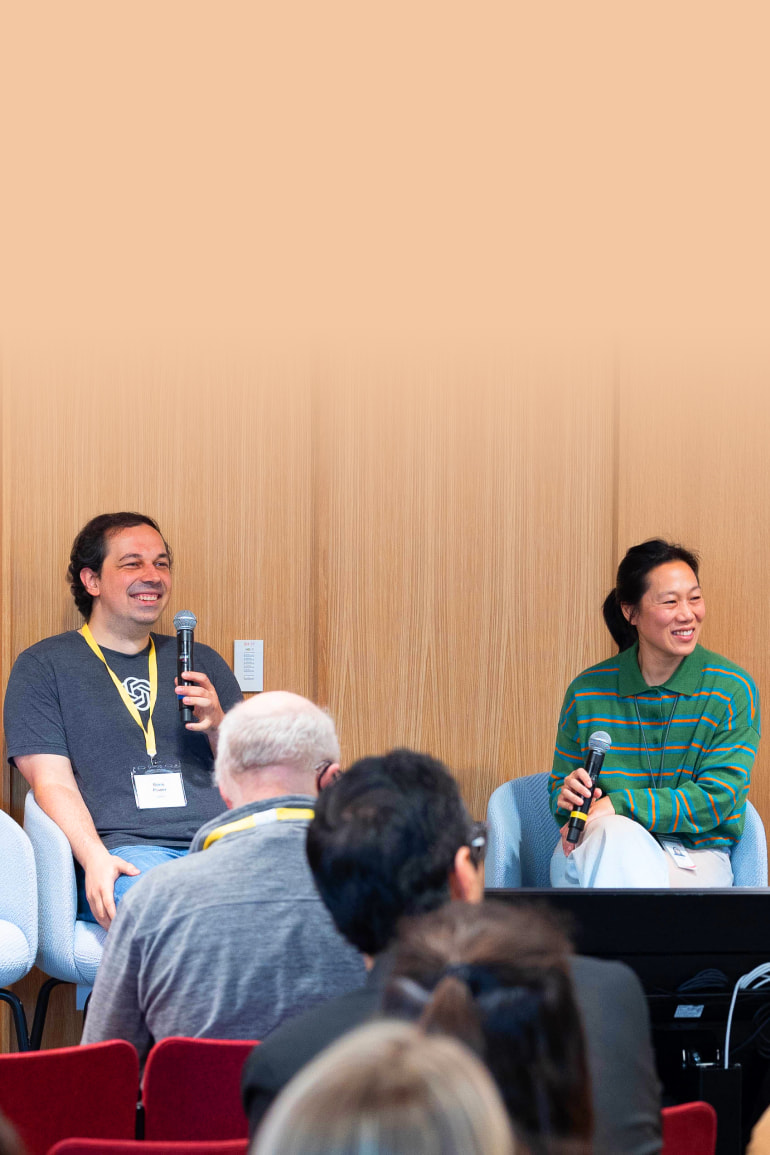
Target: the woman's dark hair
pixel 89 550
pixel 497 978
pixel 631 583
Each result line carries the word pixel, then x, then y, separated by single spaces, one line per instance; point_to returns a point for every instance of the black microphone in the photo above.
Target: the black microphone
pixel 598 745
pixel 184 623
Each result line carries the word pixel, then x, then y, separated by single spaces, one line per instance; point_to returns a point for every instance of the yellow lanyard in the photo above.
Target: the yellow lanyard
pixel 261 818
pixel 148 730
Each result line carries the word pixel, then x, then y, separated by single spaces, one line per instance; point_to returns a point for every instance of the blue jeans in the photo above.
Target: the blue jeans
pixel 141 855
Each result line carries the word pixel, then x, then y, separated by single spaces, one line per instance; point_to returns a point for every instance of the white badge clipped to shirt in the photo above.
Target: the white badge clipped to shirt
pixel 158 786
pixel 678 853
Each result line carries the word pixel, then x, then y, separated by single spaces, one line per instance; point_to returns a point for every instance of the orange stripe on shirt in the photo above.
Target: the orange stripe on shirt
pixel 732 674
pixel 719 782
pixel 687 808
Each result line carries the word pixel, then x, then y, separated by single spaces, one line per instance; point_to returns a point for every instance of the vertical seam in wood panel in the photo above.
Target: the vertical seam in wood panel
pixel 316 577
pixel 615 450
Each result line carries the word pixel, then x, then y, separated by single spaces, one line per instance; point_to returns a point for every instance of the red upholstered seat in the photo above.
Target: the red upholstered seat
pixel 192 1089
pixel 142 1147
pixel 690 1129
pixel 52 1095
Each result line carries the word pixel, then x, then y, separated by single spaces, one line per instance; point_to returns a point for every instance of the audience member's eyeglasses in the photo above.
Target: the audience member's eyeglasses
pixel 322 777
pixel 477 842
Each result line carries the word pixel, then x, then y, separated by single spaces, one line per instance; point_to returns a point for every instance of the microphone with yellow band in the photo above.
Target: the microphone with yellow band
pixel 598 745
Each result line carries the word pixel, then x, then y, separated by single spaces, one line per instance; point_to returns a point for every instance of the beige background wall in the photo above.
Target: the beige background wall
pixel 424 548
pixel 405 323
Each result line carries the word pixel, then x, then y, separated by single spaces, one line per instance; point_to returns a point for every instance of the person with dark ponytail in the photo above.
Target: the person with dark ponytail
pixel 497 979
pixel 670 801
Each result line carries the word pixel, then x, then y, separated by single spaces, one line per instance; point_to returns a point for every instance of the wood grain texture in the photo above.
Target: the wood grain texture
pixel 219 453
pixel 423 545
pixel 424 548
pixel 465 538
pixel 694 468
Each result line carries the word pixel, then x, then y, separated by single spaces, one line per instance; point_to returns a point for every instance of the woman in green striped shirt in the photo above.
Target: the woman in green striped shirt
pixel 669 803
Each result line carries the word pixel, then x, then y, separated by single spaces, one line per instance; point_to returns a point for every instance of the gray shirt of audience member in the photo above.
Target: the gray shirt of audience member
pixel 225 943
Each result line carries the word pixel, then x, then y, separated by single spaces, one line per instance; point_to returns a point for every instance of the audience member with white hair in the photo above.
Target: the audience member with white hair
pixel 233 939
pixel 388 1089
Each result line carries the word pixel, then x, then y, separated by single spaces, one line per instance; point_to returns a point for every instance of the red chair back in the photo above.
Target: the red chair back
pixel 52 1095
pixel 192 1090
pixel 142 1147
pixel 690 1129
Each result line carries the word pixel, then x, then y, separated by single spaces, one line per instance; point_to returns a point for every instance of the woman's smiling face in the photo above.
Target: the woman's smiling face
pixel 669 616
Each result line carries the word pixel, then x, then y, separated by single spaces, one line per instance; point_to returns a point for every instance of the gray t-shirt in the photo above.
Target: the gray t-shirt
pixel 224 944
pixel 61 700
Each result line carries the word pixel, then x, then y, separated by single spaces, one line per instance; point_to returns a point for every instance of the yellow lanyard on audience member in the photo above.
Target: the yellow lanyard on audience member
pixel 261 818
pixel 148 730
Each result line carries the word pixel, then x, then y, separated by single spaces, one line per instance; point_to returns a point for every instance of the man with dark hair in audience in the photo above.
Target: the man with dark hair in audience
pixel 92 717
pixel 231 940
pixel 392 838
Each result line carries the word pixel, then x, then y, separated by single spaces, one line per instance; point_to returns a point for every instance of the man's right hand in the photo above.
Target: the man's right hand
pixel 56 792
pixel 102 870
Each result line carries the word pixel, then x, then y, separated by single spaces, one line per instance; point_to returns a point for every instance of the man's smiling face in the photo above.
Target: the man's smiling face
pixel 135 580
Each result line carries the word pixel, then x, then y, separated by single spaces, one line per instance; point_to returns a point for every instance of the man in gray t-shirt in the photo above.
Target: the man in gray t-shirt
pixel 92 718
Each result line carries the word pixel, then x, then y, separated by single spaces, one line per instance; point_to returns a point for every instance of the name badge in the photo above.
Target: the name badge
pixel 156 787
pixel 678 853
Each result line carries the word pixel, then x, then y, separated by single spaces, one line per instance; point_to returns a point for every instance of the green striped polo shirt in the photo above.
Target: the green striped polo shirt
pixel 699 791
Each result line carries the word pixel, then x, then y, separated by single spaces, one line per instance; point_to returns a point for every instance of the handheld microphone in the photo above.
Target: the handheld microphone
pixel 598 745
pixel 184 624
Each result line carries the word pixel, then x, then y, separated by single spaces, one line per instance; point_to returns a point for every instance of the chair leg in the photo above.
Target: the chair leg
pixel 19 1018
pixel 41 1008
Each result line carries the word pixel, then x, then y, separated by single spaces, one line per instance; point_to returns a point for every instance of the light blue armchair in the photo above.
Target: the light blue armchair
pixel 69 949
pixel 18 917
pixel 523 835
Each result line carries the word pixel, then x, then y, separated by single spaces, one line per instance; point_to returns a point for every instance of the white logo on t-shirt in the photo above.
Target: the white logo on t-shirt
pixel 138 690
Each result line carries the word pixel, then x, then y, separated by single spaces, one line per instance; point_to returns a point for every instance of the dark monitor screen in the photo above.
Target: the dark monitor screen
pixel 677 924
pixel 670 938
pixel 666 936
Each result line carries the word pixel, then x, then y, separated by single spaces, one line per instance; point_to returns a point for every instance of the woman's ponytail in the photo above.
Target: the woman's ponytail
pixel 623 633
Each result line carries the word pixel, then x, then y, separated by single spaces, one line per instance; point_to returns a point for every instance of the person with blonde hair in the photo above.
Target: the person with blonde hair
pixel 10 1143
pixel 388 1089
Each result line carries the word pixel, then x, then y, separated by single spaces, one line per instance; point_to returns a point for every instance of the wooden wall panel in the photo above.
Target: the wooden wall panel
pixel 693 467
pixel 423 549
pixel 218 452
pixel 465 541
